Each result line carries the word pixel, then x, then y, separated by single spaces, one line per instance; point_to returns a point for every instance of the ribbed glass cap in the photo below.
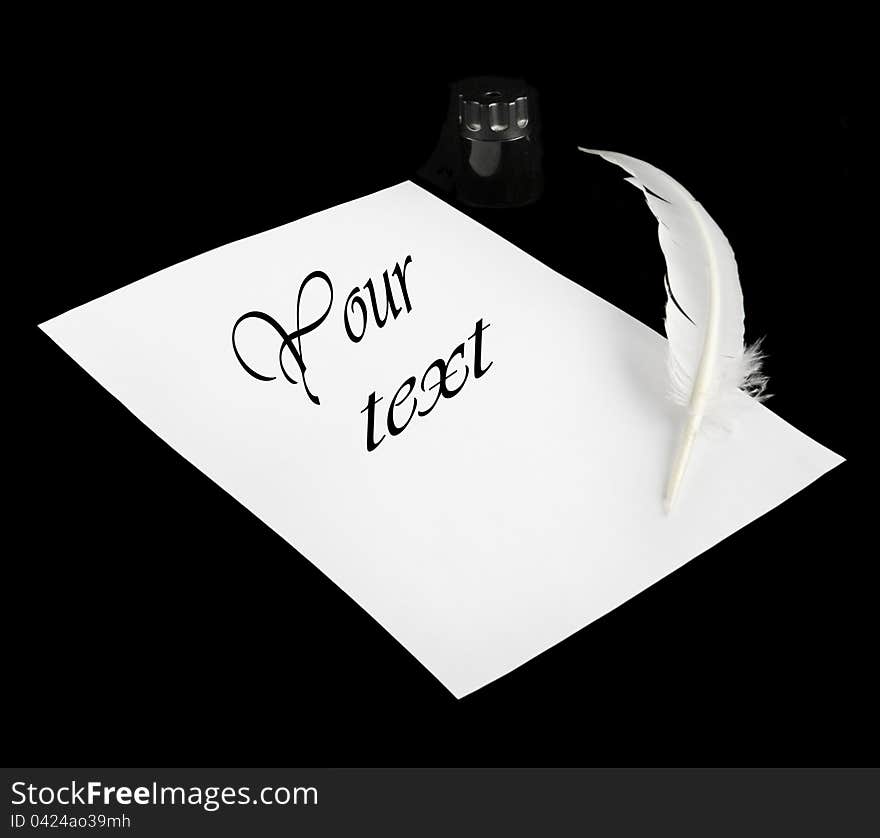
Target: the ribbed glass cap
pixel 493 109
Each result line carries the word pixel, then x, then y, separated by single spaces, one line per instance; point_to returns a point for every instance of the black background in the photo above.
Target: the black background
pixel 150 616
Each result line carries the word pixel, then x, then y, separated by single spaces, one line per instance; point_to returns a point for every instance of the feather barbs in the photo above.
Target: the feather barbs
pixel 709 366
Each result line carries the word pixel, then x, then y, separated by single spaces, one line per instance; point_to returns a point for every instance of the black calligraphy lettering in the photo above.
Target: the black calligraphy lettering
pixel 370 410
pixel 479 369
pixel 354 297
pixel 440 366
pixel 444 375
pixel 292 341
pixel 447 393
pixel 406 402
pixel 400 273
pixel 393 428
pixel 389 301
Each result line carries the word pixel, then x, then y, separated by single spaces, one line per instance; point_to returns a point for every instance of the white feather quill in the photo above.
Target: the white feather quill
pixel 708 360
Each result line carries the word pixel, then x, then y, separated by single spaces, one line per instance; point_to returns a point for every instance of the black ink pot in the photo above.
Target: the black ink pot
pixel 489 154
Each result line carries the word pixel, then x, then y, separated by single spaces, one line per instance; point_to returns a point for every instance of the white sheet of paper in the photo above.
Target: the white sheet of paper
pixel 509 517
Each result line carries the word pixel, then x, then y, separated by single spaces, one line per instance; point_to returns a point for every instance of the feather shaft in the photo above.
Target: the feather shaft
pixel 705 370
